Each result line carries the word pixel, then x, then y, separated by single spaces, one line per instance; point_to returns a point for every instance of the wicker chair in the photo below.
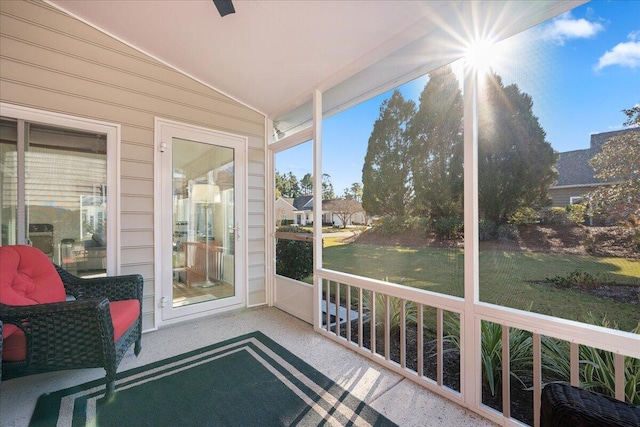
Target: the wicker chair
pixel 45 332
pixel 564 405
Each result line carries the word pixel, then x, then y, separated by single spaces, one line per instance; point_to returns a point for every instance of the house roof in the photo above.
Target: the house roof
pixel 574 169
pixel 272 54
pixel 573 166
pixel 303 203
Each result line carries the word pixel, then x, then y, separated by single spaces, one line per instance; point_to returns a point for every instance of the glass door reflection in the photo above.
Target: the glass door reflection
pixel 203 206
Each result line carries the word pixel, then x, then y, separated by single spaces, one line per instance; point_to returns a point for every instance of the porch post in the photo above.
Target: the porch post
pixel 469 325
pixel 270 215
pixel 317 206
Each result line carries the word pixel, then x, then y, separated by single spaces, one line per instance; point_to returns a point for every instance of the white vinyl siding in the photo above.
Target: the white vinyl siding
pixel 54 62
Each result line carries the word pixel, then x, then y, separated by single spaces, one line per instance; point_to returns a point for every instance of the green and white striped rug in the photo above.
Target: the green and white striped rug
pixel 245 381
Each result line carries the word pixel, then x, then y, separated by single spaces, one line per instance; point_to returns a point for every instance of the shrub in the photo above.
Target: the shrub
pixel 577 278
pixel 524 216
pixel 597 368
pixel 576 213
pixel 449 228
pixel 395 310
pixel 488 230
pixel 294 258
pixel 520 351
pixel 418 223
pixel 507 232
pixel 554 216
pixel 635 240
pixel 390 225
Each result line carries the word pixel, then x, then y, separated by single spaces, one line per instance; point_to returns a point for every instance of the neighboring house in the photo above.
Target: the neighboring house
pixel 299 209
pixel 334 211
pixel 284 210
pixel 576 177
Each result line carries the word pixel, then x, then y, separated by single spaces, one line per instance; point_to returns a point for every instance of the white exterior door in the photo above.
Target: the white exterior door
pixel 201 256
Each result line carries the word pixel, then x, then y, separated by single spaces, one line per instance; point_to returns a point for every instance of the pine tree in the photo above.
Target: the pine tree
pixel 515 163
pixel 437 147
pixel 385 173
pixel 306 185
pixel 327 187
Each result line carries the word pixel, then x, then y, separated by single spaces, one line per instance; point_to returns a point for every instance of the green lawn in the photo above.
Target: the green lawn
pixel 506 277
pixel 330 229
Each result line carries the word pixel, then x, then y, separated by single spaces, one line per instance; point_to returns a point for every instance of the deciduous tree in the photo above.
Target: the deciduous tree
pixel 343 208
pixel 619 164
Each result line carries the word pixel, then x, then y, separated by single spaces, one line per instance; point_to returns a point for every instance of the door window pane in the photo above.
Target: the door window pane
pixel 204 230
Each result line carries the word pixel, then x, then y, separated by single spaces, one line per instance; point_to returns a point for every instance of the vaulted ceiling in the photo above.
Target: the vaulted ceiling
pixel 271 54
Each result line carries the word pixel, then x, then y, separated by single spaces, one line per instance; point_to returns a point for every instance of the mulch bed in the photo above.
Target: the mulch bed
pixel 628 294
pixel 570 239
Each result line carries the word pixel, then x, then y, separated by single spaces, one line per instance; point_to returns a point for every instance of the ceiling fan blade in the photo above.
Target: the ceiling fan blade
pixel 225 7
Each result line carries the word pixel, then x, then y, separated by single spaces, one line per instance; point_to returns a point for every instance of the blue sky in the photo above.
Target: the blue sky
pixel 581 69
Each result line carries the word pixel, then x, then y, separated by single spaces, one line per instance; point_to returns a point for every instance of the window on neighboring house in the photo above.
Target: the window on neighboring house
pixel 575 200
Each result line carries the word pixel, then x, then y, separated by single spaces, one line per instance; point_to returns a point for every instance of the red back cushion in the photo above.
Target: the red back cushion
pixel 27 277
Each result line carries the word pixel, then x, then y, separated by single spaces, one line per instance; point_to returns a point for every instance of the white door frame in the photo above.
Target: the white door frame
pixel 112 132
pixel 292 296
pixel 164 131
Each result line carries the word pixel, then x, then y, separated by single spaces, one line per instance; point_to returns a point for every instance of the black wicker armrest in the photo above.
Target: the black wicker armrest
pixel 115 288
pixel 566 405
pixel 53 330
pixel 56 314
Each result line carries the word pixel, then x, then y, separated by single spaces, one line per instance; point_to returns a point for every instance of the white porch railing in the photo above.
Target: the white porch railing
pixel 412 314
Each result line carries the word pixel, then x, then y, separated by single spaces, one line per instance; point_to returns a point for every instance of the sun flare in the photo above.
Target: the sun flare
pixel 482 55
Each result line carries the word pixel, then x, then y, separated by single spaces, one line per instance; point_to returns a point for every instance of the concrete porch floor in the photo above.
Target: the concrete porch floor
pixel 399 399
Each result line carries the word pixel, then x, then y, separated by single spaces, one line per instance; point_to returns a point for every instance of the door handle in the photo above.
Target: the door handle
pixel 236 230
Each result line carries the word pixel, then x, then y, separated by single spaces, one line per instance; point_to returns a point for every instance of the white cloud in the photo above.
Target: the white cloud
pixel 567 27
pixel 626 54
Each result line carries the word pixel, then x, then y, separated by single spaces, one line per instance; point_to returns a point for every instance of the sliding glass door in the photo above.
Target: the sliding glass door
pixel 53 187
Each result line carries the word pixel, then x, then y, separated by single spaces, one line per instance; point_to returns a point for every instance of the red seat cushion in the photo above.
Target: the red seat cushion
pixel 14 347
pixel 27 277
pixel 123 314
